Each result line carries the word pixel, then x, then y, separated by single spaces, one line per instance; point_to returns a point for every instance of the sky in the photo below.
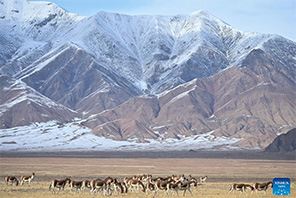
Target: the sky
pixel 264 16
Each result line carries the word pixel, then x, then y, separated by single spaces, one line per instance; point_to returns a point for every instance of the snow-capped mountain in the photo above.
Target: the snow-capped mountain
pixel 200 74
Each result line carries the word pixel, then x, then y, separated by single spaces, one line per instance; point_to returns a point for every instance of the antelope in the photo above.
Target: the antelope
pixel 187 186
pixel 85 184
pixel 262 186
pixel 11 179
pixel 203 179
pixel 123 184
pixel 77 185
pixel 126 180
pixel 27 179
pixel 150 186
pixel 135 184
pixel 241 187
pixel 145 179
pixel 174 187
pixel 103 185
pixel 60 184
pixel 117 186
pixel 97 184
pixel 162 185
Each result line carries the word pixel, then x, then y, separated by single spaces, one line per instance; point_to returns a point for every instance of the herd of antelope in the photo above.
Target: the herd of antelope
pixel 256 187
pixel 13 180
pixel 108 186
pixel 139 183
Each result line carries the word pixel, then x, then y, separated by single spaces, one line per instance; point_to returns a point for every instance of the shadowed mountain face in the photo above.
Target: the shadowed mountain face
pixel 145 78
pixel 283 143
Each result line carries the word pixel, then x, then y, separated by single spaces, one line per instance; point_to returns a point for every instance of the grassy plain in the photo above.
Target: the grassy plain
pixel 221 173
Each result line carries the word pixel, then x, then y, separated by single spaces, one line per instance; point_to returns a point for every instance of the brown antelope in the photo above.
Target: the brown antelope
pixel 77 185
pixel 102 185
pixel 135 185
pixel 85 184
pixel 126 180
pixel 60 184
pixel 123 184
pixel 145 179
pixel 162 185
pixel 27 179
pixel 98 185
pixel 262 186
pixel 118 188
pixel 12 180
pixel 150 185
pixel 174 187
pixel 203 179
pixel 187 186
pixel 241 187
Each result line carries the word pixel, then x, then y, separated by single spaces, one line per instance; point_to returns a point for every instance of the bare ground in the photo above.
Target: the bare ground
pixel 222 171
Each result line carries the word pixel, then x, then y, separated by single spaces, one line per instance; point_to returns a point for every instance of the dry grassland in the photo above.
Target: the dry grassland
pixel 221 173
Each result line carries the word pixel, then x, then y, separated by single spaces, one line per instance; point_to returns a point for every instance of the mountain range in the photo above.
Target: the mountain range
pixel 143 79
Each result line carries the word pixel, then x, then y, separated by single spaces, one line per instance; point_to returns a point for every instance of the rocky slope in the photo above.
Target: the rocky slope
pixel 21 105
pixel 283 143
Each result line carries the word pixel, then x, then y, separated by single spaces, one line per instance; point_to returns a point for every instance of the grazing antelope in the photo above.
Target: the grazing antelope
pixel 77 185
pixel 187 186
pixel 203 179
pixel 12 180
pixel 27 179
pixel 262 186
pixel 60 184
pixel 241 187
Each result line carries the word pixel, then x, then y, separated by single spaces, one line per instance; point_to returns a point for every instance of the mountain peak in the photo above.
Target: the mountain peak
pixel 201 13
pixel 24 10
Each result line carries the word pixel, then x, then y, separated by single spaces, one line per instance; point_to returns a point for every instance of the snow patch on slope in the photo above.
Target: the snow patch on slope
pixel 53 136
